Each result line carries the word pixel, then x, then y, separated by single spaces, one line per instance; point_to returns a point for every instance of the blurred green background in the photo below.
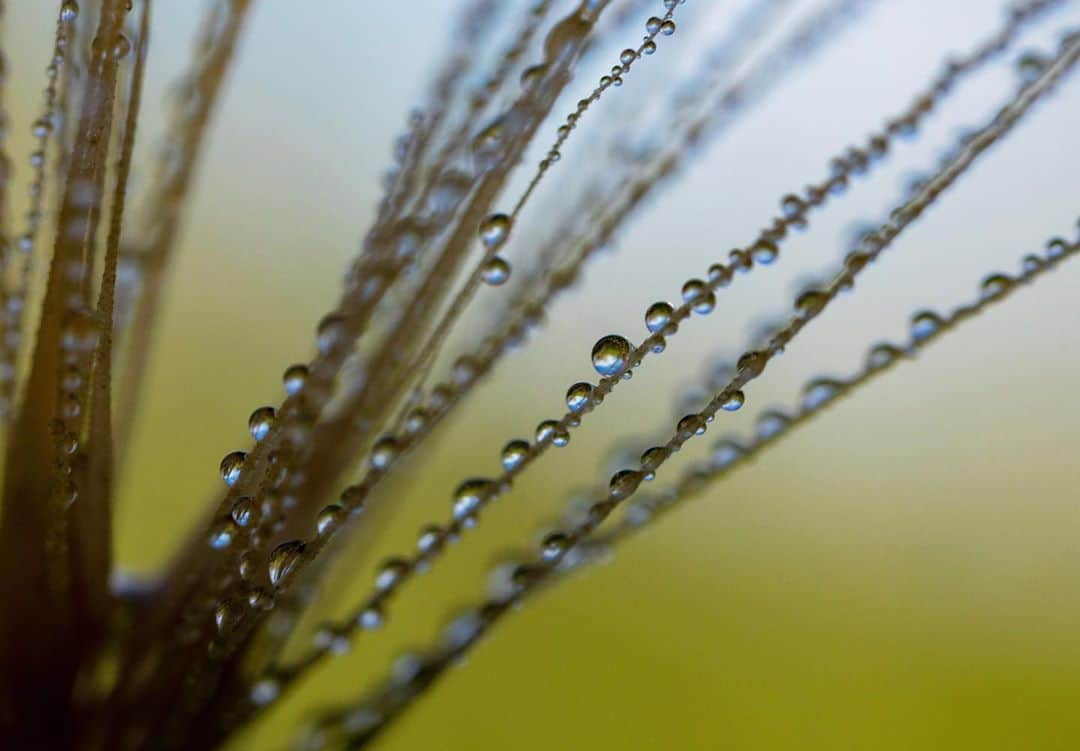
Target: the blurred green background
pixel 903 573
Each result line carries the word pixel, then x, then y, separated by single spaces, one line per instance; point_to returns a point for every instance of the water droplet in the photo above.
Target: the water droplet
pixel 653 25
pixel 652 458
pixel 81 332
pixel 294 378
pixel 265 692
pixel 514 453
pixel 495 229
pixel 551 430
pixel 330 333
pixel 554 546
pixel 495 271
pixel 232 466
pixel 1056 248
pixel 792 207
pixel 261 422
pixel 469 496
pixel 753 363
pixel 658 316
pixel 122 47
pixel 226 615
pixel 222 534
pixel 624 483
pixel 820 391
pixel 882 355
pixel 733 401
pixel 995 285
pixel 609 354
pixel 390 572
pixel 764 252
pixel 811 302
pixel 69 11
pixel 579 396
pixel 925 324
pixel 329 519
pixel 244 510
pixel 725 453
pixel 430 539
pixel 370 618
pixel 692 424
pixel 283 561
pixel 384 452
pixel 627 56
pixel 770 424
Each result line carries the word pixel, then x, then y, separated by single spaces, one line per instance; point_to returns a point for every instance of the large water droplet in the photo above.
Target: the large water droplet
pixel 283 561
pixel 232 466
pixel 495 229
pixel 261 422
pixel 579 396
pixel 609 354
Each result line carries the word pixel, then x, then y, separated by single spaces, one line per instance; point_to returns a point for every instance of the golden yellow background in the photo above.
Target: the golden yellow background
pixel 903 573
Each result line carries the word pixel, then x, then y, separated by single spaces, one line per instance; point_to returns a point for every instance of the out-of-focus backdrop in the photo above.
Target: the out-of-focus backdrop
pixel 904 573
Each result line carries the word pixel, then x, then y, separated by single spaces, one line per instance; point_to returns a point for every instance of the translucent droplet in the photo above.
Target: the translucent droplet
pixel 693 424
pixel 69 11
pixel 764 252
pixel 390 572
pixel 81 333
pixel 627 56
pixel 244 510
pixel 283 561
pixel 819 392
pixel 609 354
pixel 370 618
pixel 330 333
pixel 495 271
pixel 232 466
pixel 652 458
pixel 995 285
pixel 329 519
pixel 551 430
pixel 725 453
pixel 555 546
pixel 624 483
pixel 811 302
pixel 514 453
pixel 265 692
pixel 226 615
pixel 792 207
pixel 882 355
pixel 495 229
pixel 753 363
pixel 579 396
pixel 653 25
pixel 122 47
pixel 667 28
pixel 733 401
pixel 223 533
pixel 469 496
pixel 294 378
pixel 925 325
pixel 658 316
pixel 429 539
pixel 770 424
pixel 261 422
pixel 384 452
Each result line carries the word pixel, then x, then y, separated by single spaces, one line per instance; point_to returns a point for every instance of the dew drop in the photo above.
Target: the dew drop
pixel 764 252
pixel 624 483
pixel 883 355
pixel 232 466
pixel 653 25
pixel 222 534
pixel 819 392
pixel 725 453
pixel 495 271
pixel 122 47
pixel 609 354
pixel 554 546
pixel 579 396
pixel 330 333
pixel 370 618
pixel 494 230
pixel 658 316
pixel 69 11
pixel 769 424
pixel 294 378
pixel 811 302
pixel 329 519
pixel 925 324
pixel 733 401
pixel 265 691
pixel 261 422
pixel 469 496
pixel 514 454
pixel 390 572
pixel 551 430
pixel 283 561
pixel 384 452
pixel 995 285
pixel 244 510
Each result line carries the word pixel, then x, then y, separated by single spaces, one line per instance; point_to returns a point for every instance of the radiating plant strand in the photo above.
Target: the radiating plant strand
pixel 613 356
pixel 563 552
pixel 452 272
